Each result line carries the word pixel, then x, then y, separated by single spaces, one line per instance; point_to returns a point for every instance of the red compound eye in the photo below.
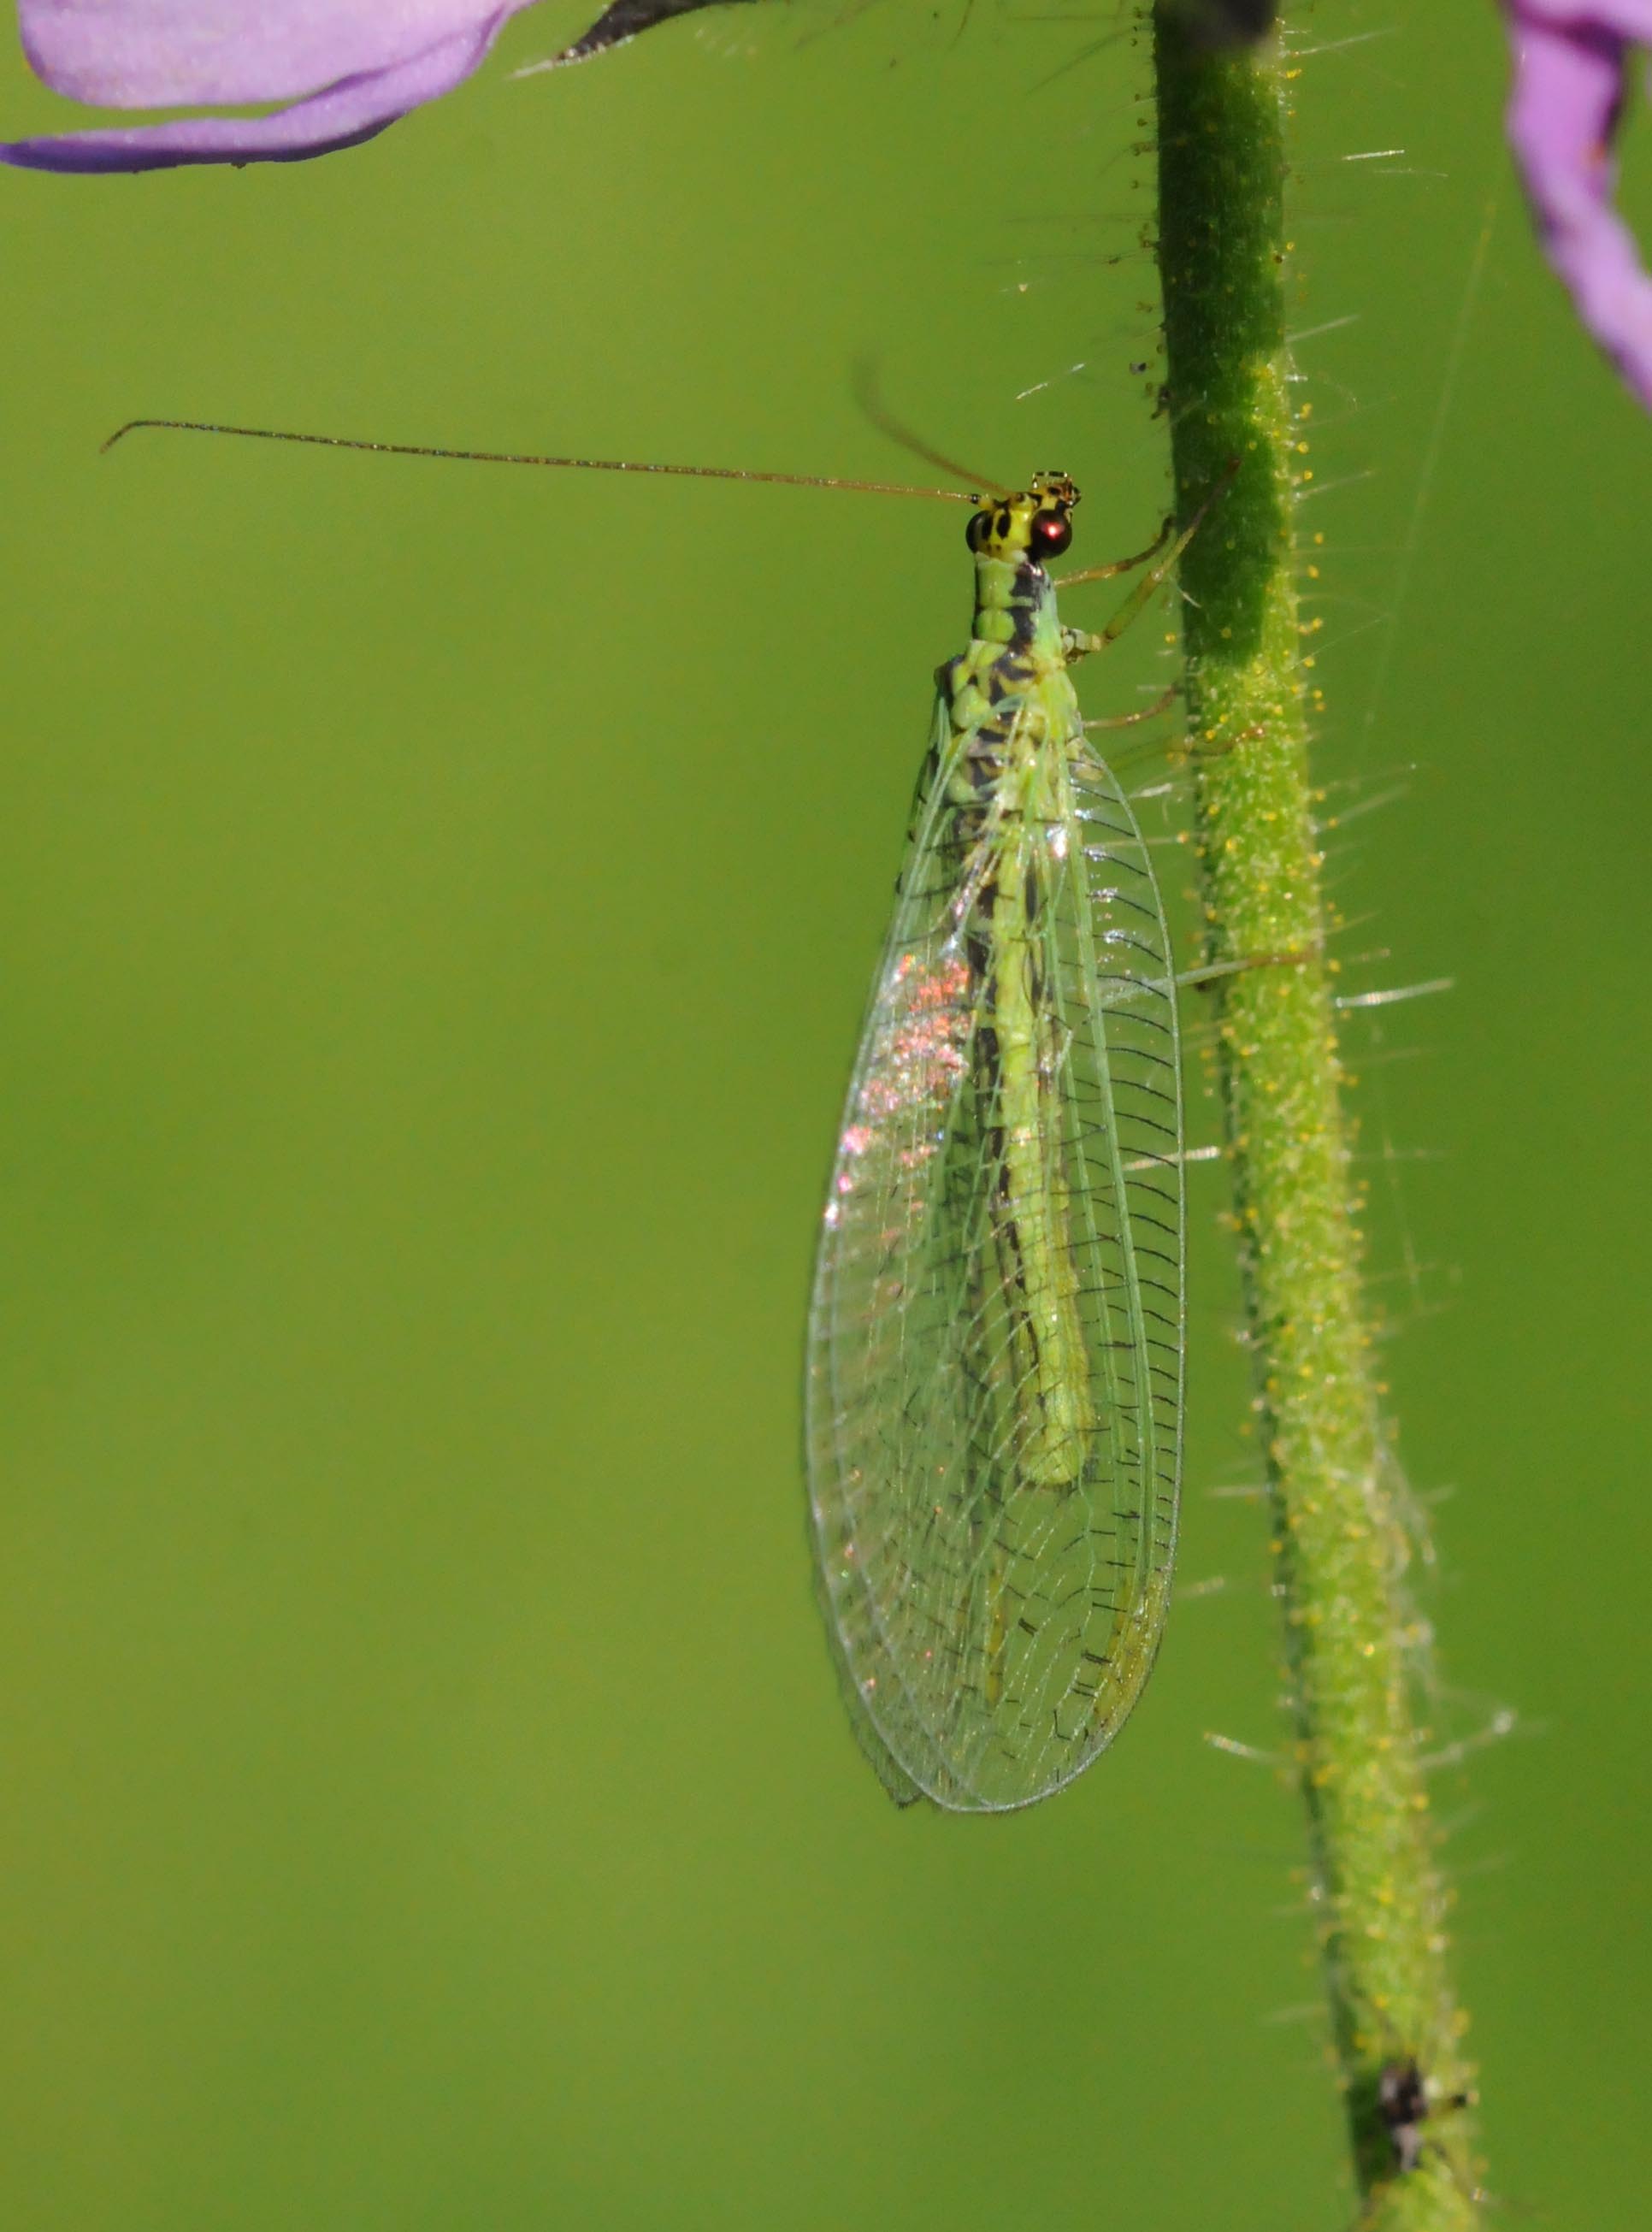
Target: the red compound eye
pixel 1052 532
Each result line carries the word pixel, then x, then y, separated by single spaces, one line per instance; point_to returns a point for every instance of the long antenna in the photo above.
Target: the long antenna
pixel 572 465
pixel 869 396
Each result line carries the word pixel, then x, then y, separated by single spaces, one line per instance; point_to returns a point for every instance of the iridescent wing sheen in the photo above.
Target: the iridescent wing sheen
pixel 994 1373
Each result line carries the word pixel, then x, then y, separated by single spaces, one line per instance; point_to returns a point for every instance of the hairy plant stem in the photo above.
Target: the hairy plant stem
pixel 1352 1647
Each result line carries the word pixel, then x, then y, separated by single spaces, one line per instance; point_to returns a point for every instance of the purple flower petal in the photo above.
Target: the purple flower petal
pixel 372 62
pixel 1630 20
pixel 184 54
pixel 1572 59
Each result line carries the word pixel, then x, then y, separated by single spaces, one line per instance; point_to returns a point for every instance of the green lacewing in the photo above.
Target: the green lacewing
pixel 993 1384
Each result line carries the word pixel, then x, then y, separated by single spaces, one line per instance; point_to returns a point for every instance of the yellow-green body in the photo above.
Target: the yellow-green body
pixel 994 1371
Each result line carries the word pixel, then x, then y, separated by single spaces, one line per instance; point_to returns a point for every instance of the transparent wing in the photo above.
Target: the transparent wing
pixel 995 1363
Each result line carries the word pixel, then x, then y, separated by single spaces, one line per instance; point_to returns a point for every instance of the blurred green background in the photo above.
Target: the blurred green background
pixel 436 904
